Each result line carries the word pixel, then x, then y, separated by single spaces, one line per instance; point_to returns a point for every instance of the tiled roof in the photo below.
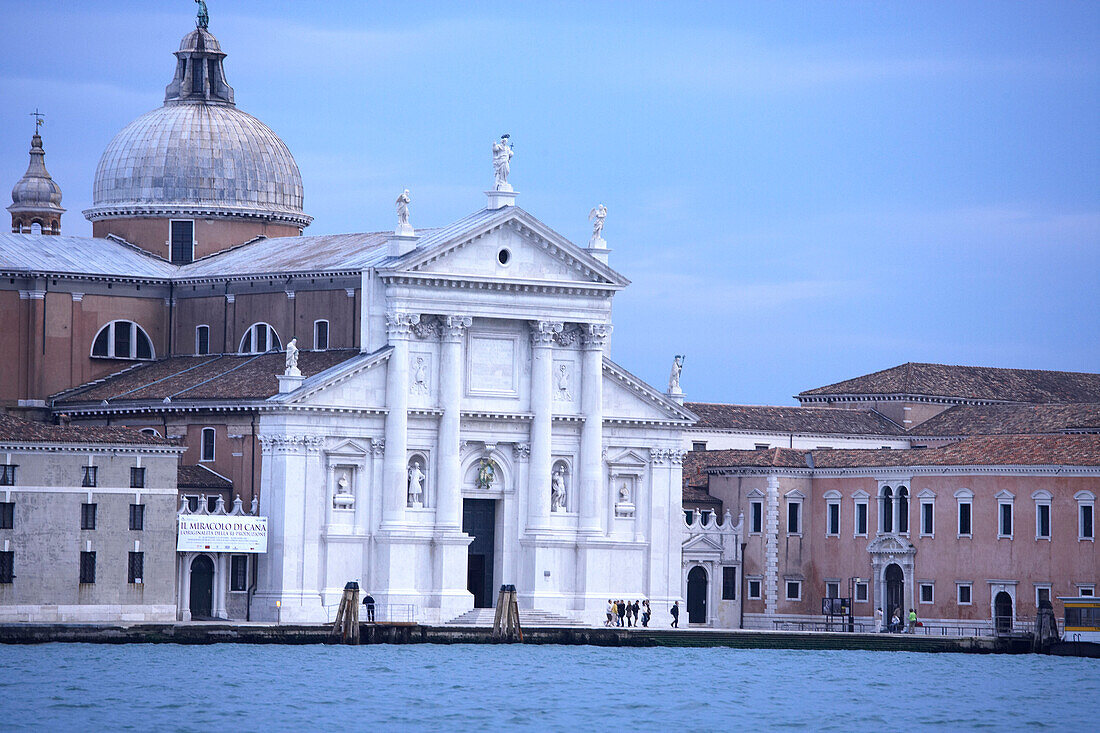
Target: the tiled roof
pixel 330 252
pixel 17 430
pixel 963 382
pixel 79 256
pixel 216 377
pixel 1012 420
pixel 199 477
pixel 695 497
pixel 768 418
pixel 697 461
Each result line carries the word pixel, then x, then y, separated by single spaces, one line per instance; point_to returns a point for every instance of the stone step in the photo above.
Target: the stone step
pixel 531 617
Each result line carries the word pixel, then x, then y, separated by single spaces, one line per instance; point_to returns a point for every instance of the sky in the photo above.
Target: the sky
pixel 800 193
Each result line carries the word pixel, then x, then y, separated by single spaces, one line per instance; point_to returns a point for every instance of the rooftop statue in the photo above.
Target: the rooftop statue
pixel 403 226
pixel 674 376
pixel 597 216
pixel 204 17
pixel 292 359
pixel 502 155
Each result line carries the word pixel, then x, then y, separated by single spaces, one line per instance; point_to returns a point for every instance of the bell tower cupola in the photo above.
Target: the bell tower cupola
pixel 36 198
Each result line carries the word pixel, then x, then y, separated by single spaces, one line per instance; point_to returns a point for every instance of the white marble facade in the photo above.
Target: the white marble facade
pixel 484 366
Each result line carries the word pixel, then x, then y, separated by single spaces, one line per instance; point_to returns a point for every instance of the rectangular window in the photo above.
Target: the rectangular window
pixel 756 523
pixel 729 584
pixel 7 566
pixel 1042 521
pixel 183 242
pixel 87 567
pixel 1084 512
pixel 762 446
pixel 207 444
pixel 861 519
pixel 754 590
pixel 794 517
pixel 202 340
pixel 832 589
pixel 87 516
pixel 964 519
pixel 794 590
pixel 1042 595
pixel 136 568
pixel 927 592
pixel 7 514
pixel 238 572
pixel 861 592
pixel 89 476
pixel 1004 527
pixel 137 477
pixel 699 445
pixel 834 519
pixel 1086 590
pixel 137 517
pixel 7 475
pixel 927 519
pixel 964 592
pixel 320 335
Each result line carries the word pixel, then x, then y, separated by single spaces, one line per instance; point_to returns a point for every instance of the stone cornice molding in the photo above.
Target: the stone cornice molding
pixel 667 456
pixel 902 397
pixel 280 443
pixel 400 324
pixel 905 472
pixel 543 333
pixel 164 210
pixel 47 447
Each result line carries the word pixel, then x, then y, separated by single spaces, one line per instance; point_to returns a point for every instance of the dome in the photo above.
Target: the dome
pixel 189 158
pixel 36 190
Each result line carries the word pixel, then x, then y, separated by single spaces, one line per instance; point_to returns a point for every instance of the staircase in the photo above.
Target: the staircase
pixel 528 618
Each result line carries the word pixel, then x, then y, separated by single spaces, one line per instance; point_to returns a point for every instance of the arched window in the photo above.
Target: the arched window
pixel 903 510
pixel 123 340
pixel 202 340
pixel 259 339
pixel 151 432
pixel 886 516
pixel 207 447
pixel 36 227
pixel 320 335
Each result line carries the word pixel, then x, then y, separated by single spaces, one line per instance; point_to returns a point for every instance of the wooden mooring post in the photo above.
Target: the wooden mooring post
pixel 347 617
pixel 506 620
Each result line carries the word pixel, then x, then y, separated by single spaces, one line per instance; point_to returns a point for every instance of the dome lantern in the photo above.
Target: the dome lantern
pixel 36 197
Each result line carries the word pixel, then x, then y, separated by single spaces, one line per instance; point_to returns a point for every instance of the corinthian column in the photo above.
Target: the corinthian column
pixel 394 481
pixel 542 366
pixel 448 514
pixel 593 338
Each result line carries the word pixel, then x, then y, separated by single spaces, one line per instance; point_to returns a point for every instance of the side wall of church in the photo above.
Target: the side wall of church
pixel 211 235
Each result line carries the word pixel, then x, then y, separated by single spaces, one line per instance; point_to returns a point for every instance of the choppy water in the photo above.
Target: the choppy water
pixel 78 687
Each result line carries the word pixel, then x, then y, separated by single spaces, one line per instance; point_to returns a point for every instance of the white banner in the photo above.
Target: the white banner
pixel 219 533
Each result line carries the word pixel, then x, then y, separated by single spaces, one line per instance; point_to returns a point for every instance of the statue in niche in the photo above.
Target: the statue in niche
pixel 563 382
pixel 502 156
pixel 624 493
pixel 557 490
pixel 486 474
pixel 343 498
pixel 403 201
pixel 420 376
pixel 416 485
pixel 597 216
pixel 674 376
pixel 292 359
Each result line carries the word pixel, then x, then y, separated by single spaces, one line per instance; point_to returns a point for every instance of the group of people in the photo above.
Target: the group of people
pixel 896 625
pixel 624 613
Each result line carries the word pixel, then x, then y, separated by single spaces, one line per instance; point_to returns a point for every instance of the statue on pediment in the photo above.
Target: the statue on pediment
pixel 674 376
pixel 502 157
pixel 597 216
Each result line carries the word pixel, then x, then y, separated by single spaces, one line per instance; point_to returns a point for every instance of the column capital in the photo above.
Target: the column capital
pixel 399 324
pixel 543 332
pixel 452 327
pixel 595 335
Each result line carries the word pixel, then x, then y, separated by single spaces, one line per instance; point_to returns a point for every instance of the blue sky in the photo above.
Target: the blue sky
pixel 800 192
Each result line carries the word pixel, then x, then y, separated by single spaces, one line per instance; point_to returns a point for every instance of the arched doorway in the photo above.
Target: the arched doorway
pixel 1002 609
pixel 697 596
pixel 894 593
pixel 202 587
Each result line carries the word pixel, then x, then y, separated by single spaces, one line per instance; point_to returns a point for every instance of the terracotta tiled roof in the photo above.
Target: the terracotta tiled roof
pixel 963 382
pixel 764 458
pixel 785 419
pixel 700 498
pixel 185 378
pixel 17 430
pixel 199 477
pixel 1012 420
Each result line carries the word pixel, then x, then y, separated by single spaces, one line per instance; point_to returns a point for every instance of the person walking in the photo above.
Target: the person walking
pixel 879 628
pixel 646 614
pixel 368 601
pixel 676 615
pixel 636 609
pixel 622 611
pixel 912 621
pixel 610 612
pixel 629 613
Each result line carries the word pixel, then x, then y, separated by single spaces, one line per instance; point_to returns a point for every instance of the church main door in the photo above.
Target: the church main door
pixel 697 596
pixel 894 593
pixel 202 587
pixel 479 521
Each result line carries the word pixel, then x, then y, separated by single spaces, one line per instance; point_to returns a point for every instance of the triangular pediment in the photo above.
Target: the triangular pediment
pixel 357 381
pixel 701 543
pixel 510 245
pixel 627 397
pixel 625 458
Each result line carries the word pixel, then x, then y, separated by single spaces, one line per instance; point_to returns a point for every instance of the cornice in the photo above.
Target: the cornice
pixel 908 472
pixel 16 446
pixel 477 282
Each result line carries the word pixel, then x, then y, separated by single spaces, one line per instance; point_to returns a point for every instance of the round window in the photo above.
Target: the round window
pixel 504 256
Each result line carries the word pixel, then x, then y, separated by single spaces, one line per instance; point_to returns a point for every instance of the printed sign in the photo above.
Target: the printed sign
pixel 198 532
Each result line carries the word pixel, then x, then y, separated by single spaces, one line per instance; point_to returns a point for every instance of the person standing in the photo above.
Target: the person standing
pixel 622 611
pixel 895 621
pixel 912 621
pixel 637 609
pixel 676 615
pixel 879 628
pixel 368 601
pixel 646 613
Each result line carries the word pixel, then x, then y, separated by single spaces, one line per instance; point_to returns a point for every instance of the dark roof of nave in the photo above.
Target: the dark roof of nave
pixel 17 430
pixel 786 419
pixel 999 450
pixel 972 383
pixel 1012 420
pixel 200 477
pixel 92 256
pixel 191 378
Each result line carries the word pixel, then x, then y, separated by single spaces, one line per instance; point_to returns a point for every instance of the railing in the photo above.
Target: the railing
pixel 932 628
pixel 393 613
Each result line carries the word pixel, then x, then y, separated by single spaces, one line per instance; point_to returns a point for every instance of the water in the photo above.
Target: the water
pixel 77 687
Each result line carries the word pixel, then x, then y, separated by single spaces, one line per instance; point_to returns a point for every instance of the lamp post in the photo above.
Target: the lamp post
pixel 851 602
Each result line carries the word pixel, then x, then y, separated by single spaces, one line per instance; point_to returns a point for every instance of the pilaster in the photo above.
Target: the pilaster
pixel 771 547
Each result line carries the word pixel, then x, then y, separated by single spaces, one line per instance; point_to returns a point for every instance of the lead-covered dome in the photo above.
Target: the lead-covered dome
pixel 198 155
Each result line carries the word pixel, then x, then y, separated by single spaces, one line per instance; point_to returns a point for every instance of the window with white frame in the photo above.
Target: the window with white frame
pixel 698 445
pixel 832 589
pixel 1086 589
pixel 965 502
pixel 320 335
pixel 861 592
pixel 1042 514
pixel 794 512
pixel 756 516
pixel 123 340
pixel 207 447
pixel 860 498
pixel 754 588
pixel 886 509
pixel 794 590
pixel 832 514
pixel 1004 514
pixel 259 339
pixel 964 592
pixel 1086 507
pixel 1042 594
pixel 202 340
pixel 903 509
pixel 927 592
pixel 927 513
